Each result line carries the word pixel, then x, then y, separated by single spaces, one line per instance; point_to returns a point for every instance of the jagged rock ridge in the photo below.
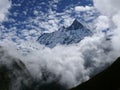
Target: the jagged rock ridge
pixel 72 34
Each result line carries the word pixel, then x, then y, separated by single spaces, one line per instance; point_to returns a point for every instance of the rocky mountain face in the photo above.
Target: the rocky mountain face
pixel 109 79
pixel 72 34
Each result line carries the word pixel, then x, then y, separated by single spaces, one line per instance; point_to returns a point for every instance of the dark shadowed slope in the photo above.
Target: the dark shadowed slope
pixel 109 79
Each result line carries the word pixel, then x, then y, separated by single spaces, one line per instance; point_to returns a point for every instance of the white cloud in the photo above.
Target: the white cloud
pixel 83 8
pixel 4 7
pixel 107 7
pixel 102 23
pixel 111 9
pixel 116 32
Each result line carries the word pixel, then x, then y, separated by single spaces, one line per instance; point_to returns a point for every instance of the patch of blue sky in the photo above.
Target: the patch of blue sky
pixel 42 15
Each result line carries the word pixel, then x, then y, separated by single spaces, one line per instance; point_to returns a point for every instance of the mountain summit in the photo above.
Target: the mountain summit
pixel 72 34
pixel 75 25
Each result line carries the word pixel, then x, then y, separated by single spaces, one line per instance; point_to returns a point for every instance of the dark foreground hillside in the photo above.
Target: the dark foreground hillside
pixel 109 79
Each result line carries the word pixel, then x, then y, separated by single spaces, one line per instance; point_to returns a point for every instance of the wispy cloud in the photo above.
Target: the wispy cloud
pixel 4 7
pixel 83 8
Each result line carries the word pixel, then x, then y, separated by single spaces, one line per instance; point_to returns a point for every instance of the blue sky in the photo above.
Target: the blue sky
pixel 28 18
pixel 21 10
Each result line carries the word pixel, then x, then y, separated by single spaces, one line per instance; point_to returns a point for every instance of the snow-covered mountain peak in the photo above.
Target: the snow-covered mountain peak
pixel 72 34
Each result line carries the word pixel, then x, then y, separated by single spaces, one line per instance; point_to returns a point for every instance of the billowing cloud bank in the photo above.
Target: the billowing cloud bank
pixel 111 9
pixel 75 63
pixel 107 7
pixel 72 64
